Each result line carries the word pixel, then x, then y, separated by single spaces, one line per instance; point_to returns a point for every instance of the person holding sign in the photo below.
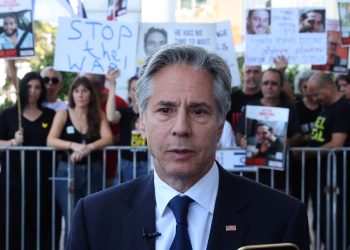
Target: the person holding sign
pixel 36 124
pixel 258 22
pixel 13 37
pixel 126 117
pixel 271 86
pixel 312 21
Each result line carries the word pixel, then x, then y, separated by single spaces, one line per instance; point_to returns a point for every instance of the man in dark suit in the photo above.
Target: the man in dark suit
pixel 190 201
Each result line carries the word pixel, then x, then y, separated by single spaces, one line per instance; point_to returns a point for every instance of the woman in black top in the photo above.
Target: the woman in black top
pixel 36 124
pixel 128 118
pixel 82 129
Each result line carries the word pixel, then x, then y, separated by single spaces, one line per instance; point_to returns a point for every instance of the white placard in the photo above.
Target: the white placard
pixel 92 46
pixel 152 35
pixel 16 37
pixel 226 49
pixel 273 32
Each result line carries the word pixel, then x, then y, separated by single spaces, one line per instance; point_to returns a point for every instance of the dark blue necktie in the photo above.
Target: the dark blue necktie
pixel 179 206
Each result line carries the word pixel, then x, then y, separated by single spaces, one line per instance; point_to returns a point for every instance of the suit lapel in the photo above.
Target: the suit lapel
pixel 142 215
pixel 230 200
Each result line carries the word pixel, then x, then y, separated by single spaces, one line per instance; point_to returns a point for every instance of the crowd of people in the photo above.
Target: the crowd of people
pixel 93 119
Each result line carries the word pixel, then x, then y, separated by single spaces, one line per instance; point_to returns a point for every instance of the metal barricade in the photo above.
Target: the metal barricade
pixel 331 196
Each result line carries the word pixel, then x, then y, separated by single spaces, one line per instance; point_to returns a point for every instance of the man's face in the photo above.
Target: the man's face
pixel 251 76
pixel 318 95
pixel 181 125
pixel 344 88
pixel 270 85
pixel 258 22
pixel 154 40
pixel 51 89
pixel 332 44
pixel 313 22
pixel 10 26
pixel 263 133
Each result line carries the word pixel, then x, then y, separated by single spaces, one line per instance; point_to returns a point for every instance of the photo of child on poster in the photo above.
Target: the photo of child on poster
pixel 116 8
pixel 16 34
pixel 337 56
pixel 266 131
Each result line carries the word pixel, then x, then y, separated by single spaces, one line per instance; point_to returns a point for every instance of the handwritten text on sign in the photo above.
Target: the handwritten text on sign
pixel 285 39
pixel 95 46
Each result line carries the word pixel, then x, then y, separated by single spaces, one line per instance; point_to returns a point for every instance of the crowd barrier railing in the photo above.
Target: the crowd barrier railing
pixel 331 199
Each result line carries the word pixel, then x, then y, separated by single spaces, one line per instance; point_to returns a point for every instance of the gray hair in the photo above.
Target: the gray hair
pixel 301 77
pixel 50 68
pixel 199 59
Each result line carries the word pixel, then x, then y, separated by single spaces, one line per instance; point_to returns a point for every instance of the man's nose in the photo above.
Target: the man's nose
pixel 182 124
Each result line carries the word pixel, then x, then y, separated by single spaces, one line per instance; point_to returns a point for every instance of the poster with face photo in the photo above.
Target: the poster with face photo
pixel 116 8
pixel 16 29
pixel 344 21
pixel 337 56
pixel 297 34
pixel 266 130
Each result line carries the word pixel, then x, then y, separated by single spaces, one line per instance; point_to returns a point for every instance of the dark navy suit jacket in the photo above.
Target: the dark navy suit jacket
pixel 114 218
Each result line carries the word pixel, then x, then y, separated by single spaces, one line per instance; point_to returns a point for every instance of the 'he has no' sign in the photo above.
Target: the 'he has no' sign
pixel 85 45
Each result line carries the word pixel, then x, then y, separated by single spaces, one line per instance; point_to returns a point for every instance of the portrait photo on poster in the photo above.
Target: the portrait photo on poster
pixel 344 21
pixel 298 34
pixel 312 20
pixel 258 21
pixel 116 8
pixel 16 34
pixel 153 38
pixel 337 56
pixel 266 132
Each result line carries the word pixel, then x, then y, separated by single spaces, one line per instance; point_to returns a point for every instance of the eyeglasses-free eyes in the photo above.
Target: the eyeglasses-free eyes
pixel 273 83
pixel 54 80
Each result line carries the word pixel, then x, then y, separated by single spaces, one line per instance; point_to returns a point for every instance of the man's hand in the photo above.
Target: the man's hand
pixel 244 142
pixel 281 63
pixel 265 146
pixel 111 75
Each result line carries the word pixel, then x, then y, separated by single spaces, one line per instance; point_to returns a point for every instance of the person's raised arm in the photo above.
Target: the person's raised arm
pixel 11 71
pixel 113 115
pixel 281 64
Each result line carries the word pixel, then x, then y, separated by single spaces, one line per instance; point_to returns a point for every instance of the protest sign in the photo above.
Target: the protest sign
pixel 214 37
pixel 297 34
pixel 16 29
pixel 266 130
pixel 344 20
pixel 226 49
pixel 116 8
pixel 89 46
pixel 337 56
pixel 233 160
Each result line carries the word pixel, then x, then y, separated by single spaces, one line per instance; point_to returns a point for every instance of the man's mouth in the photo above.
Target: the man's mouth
pixel 181 153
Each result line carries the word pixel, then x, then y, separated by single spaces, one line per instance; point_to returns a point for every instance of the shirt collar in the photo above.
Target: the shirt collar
pixel 204 192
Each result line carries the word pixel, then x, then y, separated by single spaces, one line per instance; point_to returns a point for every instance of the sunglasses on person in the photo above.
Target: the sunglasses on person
pixel 54 80
pixel 273 83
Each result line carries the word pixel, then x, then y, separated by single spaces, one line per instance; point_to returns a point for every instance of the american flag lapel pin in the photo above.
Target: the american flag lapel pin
pixel 230 228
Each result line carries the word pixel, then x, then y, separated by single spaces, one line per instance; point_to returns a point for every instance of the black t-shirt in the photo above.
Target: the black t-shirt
pixel 70 133
pixel 127 124
pixel 293 120
pixel 34 134
pixel 270 153
pixel 332 119
pixel 238 102
pixel 307 117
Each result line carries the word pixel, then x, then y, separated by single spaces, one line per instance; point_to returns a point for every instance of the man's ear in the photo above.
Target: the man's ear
pixel 221 129
pixel 143 129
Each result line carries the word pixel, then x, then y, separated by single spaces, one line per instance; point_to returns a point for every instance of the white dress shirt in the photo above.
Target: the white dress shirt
pixel 200 212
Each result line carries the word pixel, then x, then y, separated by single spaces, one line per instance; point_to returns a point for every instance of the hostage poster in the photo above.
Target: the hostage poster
pixel 16 29
pixel 266 130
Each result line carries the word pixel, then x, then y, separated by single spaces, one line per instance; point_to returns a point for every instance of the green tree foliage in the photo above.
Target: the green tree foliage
pixel 45 41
